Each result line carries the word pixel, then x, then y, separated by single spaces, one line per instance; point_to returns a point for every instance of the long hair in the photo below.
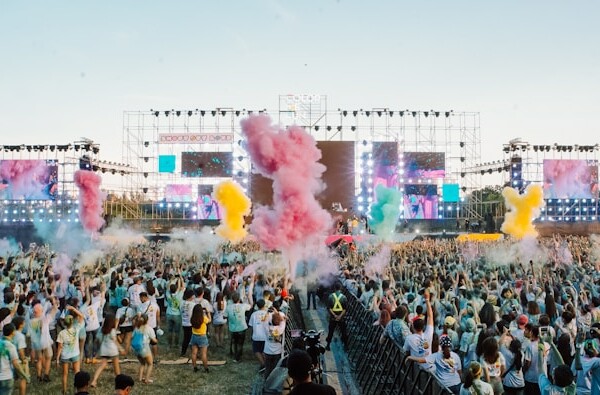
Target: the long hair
pixel 109 324
pixel 487 315
pixel 219 301
pixel 197 317
pixel 490 350
pixel 515 348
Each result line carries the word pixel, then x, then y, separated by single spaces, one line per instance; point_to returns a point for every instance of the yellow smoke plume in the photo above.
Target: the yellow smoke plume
pixel 236 205
pixel 523 209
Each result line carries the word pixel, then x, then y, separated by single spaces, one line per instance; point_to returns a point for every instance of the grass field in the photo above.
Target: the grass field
pixel 231 378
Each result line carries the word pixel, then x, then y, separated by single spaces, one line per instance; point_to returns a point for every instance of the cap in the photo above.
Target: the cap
pixel 470 325
pixel 522 319
pixel 449 321
pixel 445 341
pixel 81 379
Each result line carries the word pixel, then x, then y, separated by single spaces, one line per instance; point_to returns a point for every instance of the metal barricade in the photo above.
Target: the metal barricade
pixel 383 368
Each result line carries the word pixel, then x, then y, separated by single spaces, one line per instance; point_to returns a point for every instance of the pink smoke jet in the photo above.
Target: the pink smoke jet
pixel 24 176
pixel 290 158
pixel 90 199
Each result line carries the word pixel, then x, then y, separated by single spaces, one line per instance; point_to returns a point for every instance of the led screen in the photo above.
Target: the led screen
pixel 178 193
pixel 208 208
pixel 420 202
pixel 28 179
pixel 166 163
pixel 424 164
pixel 206 164
pixel 450 193
pixel 569 178
pixel 385 164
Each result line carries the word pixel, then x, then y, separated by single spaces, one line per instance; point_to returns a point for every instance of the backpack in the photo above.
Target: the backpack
pixel 137 341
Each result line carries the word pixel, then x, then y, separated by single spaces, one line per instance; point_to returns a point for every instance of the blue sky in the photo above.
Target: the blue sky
pixel 70 69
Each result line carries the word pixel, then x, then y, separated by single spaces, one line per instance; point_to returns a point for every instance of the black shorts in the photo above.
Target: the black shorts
pixel 126 329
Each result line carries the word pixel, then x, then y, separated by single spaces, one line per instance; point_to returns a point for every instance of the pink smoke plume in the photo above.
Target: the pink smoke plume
pixel 290 158
pixel 566 178
pixel 90 199
pixel 24 176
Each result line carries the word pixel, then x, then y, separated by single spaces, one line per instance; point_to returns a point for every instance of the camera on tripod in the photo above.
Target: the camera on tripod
pixel 312 345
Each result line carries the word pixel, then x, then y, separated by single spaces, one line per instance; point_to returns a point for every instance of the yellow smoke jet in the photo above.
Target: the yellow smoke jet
pixel 236 205
pixel 523 209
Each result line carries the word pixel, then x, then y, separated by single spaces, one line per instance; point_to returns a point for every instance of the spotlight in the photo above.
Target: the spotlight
pixel 401 113
pixel 202 113
pixel 237 113
pixel 167 113
pixel 344 113
pixel 189 113
pixel 355 113
pixel 426 113
pixel 178 113
pixel 414 114
pixel 353 128
pixel 213 113
pixel 156 113
pixel 328 127
pixel 223 112
pixel 317 128
pixel 339 128
pixel 367 113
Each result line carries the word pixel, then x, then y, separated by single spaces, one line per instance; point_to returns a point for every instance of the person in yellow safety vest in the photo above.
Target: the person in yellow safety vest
pixel 337 310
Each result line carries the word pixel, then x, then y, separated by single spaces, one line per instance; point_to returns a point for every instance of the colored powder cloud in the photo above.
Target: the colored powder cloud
pixel 24 177
pixel 90 199
pixel 384 213
pixel 518 222
pixel 236 205
pixel 291 159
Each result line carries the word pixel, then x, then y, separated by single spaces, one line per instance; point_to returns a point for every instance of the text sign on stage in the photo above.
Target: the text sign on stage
pixel 195 138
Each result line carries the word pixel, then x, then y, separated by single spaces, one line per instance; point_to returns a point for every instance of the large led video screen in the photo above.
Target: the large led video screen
pixel 206 164
pixel 385 164
pixel 178 193
pixel 570 178
pixel 28 179
pixel 338 157
pixel 208 208
pixel 424 165
pixel 420 201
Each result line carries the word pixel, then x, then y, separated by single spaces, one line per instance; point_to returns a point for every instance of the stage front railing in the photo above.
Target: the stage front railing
pixel 383 368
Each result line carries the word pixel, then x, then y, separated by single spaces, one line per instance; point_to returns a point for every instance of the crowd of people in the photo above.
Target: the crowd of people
pixel 480 322
pixel 485 323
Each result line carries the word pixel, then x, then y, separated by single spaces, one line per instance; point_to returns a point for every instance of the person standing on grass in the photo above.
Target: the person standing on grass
pixel 258 321
pixel 125 316
pixel 21 344
pixel 143 352
pixel 236 315
pixel 41 342
pixel 150 309
pixel 274 344
pixel 219 319
pixel 200 319
pixel 9 361
pixel 186 315
pixel 109 347
pixel 174 299
pixel 68 345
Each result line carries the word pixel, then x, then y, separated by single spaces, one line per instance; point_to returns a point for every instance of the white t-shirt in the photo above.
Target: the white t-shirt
pixel 186 312
pixel 259 324
pixel 531 354
pixel 274 342
pixel 8 355
pixel 70 341
pixel 90 313
pixel 419 345
pixel 149 308
pixel 128 312
pixel 446 370
pixel 477 388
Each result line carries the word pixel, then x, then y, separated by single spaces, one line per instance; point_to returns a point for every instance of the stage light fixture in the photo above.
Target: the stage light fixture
pixel 202 113
pixel 462 144
pixel 426 113
pixel 344 113
pixel 401 113
pixel 223 112
pixel 156 113
pixel 447 114
pixel 339 128
pixel 328 127
pixel 379 113
pixel 355 113
pixel 437 114
pixel 213 113
pixel 189 113
pixel 317 128
pixel 178 113
pixel 414 114
pixel 391 114
pixel 237 113
pixel 167 113
pixel 367 113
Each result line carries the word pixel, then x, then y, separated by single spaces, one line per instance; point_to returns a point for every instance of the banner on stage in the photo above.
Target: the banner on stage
pixel 195 138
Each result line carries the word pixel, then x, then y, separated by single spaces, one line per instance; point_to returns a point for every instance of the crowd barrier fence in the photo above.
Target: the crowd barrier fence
pixel 383 368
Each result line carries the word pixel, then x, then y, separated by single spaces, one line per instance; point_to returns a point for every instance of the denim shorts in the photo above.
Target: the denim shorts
pixel 69 360
pixel 199 340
